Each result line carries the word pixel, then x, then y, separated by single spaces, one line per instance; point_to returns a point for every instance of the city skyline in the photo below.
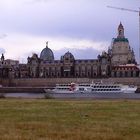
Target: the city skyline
pixel 82 27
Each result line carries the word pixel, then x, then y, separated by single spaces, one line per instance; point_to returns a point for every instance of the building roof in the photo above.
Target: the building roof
pixel 47 54
pixel 120 40
pixel 127 66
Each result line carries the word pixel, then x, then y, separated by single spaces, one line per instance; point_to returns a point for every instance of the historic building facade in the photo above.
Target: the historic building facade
pixel 118 61
pixel 120 51
pixel 123 63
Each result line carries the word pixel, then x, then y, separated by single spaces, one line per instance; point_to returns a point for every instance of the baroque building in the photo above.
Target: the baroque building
pixel 66 67
pixel 123 61
pixel 120 51
pixel 118 61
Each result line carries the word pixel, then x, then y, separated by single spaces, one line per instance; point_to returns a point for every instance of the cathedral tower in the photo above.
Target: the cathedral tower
pixel 120 31
pixel 121 52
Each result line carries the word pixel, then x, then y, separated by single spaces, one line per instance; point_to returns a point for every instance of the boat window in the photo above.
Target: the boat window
pixel 131 86
pixel 81 89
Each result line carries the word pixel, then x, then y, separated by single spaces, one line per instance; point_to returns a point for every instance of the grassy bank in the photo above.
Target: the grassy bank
pixel 69 120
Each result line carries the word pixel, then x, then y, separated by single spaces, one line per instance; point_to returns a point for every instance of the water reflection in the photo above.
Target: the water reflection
pixel 24 95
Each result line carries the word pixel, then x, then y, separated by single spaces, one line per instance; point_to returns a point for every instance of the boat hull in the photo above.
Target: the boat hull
pixel 91 95
pixel 90 90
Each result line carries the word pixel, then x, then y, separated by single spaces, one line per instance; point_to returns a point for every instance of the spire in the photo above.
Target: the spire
pixel 47 44
pixel 120 26
pixel 120 31
pixel 2 57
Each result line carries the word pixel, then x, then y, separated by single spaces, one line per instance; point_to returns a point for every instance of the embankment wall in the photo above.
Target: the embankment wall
pixel 37 85
pixel 42 82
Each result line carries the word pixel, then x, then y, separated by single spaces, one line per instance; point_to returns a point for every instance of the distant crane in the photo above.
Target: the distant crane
pixel 130 10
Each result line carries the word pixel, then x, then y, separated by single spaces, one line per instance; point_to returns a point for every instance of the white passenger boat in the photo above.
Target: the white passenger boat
pixel 92 88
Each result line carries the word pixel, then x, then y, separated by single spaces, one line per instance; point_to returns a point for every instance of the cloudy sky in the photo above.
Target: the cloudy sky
pixel 83 27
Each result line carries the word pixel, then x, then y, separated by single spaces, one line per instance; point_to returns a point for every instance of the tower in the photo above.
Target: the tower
pixel 121 52
pixel 2 58
pixel 120 31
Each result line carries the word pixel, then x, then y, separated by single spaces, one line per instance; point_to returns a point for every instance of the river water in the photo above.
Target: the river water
pixel 24 95
pixel 67 96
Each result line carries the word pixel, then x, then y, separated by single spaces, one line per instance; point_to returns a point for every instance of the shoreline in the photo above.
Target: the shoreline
pixel 94 96
pixel 23 89
pixel 31 89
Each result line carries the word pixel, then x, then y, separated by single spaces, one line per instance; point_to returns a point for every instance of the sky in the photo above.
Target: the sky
pixel 83 27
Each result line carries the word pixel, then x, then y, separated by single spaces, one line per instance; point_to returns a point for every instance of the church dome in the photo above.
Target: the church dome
pixel 67 56
pixel 47 54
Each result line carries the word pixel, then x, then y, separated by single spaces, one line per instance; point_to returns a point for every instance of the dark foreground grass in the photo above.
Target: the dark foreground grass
pixel 41 119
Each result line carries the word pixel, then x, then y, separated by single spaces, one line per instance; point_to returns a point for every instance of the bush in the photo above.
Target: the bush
pixel 2 95
pixel 47 96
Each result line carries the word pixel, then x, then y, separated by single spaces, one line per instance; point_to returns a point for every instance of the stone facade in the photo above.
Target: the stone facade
pixel 68 67
pixel 120 50
pixel 118 61
pixel 129 70
pixel 43 82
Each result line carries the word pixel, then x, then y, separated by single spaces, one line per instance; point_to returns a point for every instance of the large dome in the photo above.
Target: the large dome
pixel 47 54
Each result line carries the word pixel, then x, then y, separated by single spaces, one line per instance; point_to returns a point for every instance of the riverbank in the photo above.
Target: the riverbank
pixel 30 89
pixel 22 89
pixel 43 82
pixel 69 119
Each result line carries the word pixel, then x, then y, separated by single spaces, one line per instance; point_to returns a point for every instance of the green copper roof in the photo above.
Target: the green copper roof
pixel 120 40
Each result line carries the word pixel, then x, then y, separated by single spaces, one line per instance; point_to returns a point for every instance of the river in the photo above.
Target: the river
pixel 24 95
pixel 76 96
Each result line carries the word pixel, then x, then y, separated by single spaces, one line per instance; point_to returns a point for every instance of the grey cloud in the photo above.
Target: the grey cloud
pixel 88 53
pixel 2 36
pixel 74 19
pixel 36 1
pixel 41 0
pixel 86 19
pixel 2 50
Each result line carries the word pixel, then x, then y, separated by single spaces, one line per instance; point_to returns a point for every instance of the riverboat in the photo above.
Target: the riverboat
pixel 86 88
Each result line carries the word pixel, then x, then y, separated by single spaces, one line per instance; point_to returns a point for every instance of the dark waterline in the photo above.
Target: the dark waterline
pixel 24 95
pixel 67 96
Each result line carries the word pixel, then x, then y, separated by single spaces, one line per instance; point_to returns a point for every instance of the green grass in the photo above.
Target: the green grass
pixel 24 119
